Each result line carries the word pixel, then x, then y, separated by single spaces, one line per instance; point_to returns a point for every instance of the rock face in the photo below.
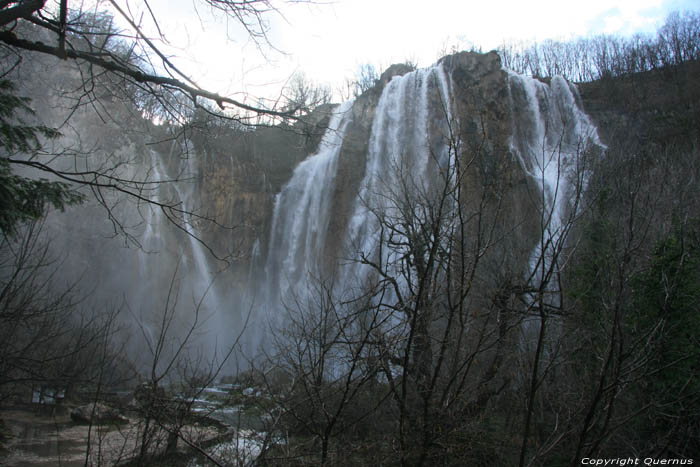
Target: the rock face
pixel 512 144
pixel 238 175
pixel 484 107
pixel 481 103
pixel 97 414
pixel 659 107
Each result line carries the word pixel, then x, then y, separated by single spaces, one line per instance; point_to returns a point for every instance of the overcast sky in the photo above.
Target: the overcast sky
pixel 328 41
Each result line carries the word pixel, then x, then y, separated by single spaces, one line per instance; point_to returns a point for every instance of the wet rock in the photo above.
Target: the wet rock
pixel 97 413
pixel 397 69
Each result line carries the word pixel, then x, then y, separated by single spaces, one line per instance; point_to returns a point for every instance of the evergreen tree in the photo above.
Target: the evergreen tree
pixel 23 198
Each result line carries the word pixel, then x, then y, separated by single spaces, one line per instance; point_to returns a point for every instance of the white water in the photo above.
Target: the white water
pixel 300 219
pixel 154 214
pixel 407 148
pixel 204 275
pixel 551 138
pixel 401 163
pixel 407 155
pixel 165 251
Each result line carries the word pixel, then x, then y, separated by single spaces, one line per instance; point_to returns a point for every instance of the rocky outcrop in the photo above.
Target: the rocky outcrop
pixel 97 414
pixel 351 166
pixel 239 174
pixel 483 129
pixel 484 108
pixel 397 69
pixel 659 107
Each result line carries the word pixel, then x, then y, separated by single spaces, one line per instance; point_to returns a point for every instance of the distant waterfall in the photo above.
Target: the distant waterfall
pixel 411 149
pixel 401 155
pixel 300 218
pixel 166 249
pixel 551 136
pixel 406 139
pixel 153 215
pixel 205 277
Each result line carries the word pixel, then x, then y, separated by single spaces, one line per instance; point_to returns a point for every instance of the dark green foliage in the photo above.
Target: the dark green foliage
pixel 669 292
pixel 23 198
pixel 15 136
pixel 667 301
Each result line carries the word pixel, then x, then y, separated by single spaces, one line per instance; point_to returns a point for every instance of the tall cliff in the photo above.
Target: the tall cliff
pixel 462 158
pixel 476 252
pixel 492 121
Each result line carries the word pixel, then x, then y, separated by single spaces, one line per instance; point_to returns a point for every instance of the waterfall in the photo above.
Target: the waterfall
pixel 401 157
pixel 204 276
pixel 164 249
pixel 198 271
pixel 403 146
pixel 551 137
pixel 300 218
pixel 410 152
pixel 154 214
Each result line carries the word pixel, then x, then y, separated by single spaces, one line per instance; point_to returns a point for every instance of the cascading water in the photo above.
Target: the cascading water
pixel 163 252
pixel 409 109
pixel 300 219
pixel 205 278
pixel 154 214
pixel 401 156
pixel 551 136
pixel 411 149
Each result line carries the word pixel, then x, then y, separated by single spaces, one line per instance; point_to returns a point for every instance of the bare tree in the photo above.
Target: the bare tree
pixel 132 54
pixel 47 341
pixel 451 326
pixel 303 95
pixel 101 68
pixel 179 371
pixel 606 56
pixel 322 373
pixel 626 288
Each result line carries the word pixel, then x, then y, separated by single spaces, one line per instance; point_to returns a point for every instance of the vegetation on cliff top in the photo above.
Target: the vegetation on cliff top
pixel 491 369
